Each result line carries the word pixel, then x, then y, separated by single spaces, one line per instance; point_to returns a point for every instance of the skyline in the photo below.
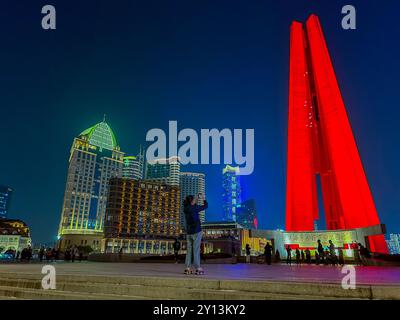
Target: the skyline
pixel 175 67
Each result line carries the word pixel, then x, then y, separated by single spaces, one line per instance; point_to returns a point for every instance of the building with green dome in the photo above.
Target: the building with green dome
pixel 95 158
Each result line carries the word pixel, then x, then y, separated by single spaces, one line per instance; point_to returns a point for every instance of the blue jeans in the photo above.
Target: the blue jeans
pixel 193 250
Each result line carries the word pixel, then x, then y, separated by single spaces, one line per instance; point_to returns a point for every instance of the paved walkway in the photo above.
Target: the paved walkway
pixel 303 273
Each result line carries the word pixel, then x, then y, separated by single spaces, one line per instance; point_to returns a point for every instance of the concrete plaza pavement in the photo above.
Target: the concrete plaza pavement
pixel 369 275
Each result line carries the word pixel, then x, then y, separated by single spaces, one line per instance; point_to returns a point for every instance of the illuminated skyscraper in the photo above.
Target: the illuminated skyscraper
pixel 321 142
pixel 164 171
pixel 231 195
pixel 134 166
pixel 95 157
pixel 141 216
pixel 192 183
pixel 5 199
pixel 246 214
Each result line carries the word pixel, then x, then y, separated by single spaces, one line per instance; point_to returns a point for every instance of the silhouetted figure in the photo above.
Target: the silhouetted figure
pixel 177 246
pixel 320 249
pixel 302 256
pixel 248 251
pixel 18 255
pixel 289 255
pixel 341 257
pixel 332 252
pixel 297 256
pixel 356 254
pixel 308 256
pixel 80 255
pixel 41 254
pixel 268 253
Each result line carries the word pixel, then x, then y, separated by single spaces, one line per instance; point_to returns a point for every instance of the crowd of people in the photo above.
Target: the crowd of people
pixel 329 255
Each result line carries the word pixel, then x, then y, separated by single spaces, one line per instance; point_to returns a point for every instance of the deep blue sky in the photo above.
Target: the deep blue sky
pixel 204 63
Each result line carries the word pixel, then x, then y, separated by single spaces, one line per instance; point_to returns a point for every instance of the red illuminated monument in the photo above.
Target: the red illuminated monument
pixel 321 142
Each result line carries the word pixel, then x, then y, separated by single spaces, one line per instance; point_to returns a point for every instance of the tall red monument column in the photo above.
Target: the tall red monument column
pixel 321 142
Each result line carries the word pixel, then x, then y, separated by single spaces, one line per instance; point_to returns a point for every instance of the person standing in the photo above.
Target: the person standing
pixel 248 252
pixel 321 253
pixel 341 257
pixel 332 252
pixel 177 246
pixel 308 256
pixel 268 253
pixel 193 230
pixel 41 253
pixel 289 255
pixel 297 256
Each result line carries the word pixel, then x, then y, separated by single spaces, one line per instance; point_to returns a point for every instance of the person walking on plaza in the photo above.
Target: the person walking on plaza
pixel 41 254
pixel 332 252
pixel 308 256
pixel 297 256
pixel 289 255
pixel 303 259
pixel 177 246
pixel 193 230
pixel 321 253
pixel 74 253
pixel 248 252
pixel 268 253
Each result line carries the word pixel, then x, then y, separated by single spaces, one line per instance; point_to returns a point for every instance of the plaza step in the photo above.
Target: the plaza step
pixel 28 286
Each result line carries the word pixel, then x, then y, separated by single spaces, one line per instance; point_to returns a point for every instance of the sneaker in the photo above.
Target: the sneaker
pixel 188 271
pixel 199 271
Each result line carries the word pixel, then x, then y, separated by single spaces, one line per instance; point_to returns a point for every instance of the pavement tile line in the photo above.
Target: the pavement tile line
pixel 221 289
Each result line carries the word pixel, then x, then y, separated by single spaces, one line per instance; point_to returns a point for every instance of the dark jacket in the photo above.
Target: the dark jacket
pixel 193 224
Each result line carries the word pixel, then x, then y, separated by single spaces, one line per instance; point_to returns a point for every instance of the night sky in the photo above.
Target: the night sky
pixel 207 64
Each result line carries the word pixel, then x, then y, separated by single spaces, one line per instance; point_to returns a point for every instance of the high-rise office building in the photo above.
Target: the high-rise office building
pixel 94 158
pixel 321 142
pixel 394 243
pixel 164 171
pixel 192 183
pixel 246 214
pixel 141 210
pixel 5 199
pixel 134 166
pixel 231 195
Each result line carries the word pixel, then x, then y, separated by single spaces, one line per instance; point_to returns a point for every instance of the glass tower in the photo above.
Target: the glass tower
pixel 231 195
pixel 164 171
pixel 192 183
pixel 134 166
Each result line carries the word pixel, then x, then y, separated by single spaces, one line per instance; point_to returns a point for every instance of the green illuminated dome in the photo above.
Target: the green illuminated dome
pixel 101 135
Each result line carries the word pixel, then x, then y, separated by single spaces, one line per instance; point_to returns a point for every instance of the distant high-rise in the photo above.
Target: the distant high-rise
pixel 95 157
pixel 164 171
pixel 231 195
pixel 394 243
pixel 246 214
pixel 192 183
pixel 134 166
pixel 5 199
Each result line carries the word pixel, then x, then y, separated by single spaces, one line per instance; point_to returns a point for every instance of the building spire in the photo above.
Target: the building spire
pixel 104 118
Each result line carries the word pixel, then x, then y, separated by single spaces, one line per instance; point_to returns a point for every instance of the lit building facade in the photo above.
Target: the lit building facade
pixel 141 217
pixel 231 194
pixel 246 214
pixel 394 243
pixel 192 183
pixel 94 159
pixel 321 142
pixel 164 171
pixel 134 166
pixel 5 199
pixel 14 235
